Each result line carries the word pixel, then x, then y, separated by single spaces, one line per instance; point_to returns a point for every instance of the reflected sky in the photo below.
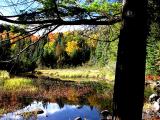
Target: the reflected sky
pixel 52 111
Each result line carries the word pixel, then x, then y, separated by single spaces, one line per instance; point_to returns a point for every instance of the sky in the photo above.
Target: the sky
pixel 13 10
pixel 17 5
pixel 52 111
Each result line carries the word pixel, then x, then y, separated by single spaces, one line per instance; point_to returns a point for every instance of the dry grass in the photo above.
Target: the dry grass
pixel 80 72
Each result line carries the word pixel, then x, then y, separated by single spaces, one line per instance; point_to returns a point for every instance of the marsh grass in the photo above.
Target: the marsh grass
pixel 17 84
pixel 4 74
pixel 80 72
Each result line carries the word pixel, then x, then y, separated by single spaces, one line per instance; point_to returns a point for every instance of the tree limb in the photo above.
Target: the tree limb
pixel 62 22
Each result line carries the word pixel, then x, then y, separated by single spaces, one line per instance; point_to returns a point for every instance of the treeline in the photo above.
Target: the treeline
pixel 57 50
pixel 94 47
pixel 12 42
pixel 65 50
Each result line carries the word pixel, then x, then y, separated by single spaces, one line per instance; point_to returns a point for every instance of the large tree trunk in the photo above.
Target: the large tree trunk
pixel 130 69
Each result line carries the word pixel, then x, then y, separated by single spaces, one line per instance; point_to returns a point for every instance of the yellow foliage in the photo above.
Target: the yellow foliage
pixel 13 46
pixel 92 41
pixel 71 47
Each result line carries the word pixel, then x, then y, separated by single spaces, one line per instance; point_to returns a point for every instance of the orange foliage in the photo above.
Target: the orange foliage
pixel 3 35
pixel 34 38
pixel 51 37
pixel 12 36
pixel 16 36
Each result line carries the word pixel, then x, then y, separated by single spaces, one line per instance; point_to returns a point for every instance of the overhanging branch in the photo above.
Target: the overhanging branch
pixel 62 22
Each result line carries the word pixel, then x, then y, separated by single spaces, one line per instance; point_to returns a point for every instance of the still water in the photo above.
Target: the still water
pixel 52 111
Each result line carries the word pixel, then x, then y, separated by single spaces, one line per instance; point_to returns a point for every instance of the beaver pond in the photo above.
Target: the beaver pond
pixel 53 99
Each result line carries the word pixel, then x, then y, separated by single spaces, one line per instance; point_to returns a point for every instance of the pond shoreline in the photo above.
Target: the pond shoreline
pixel 24 88
pixel 99 74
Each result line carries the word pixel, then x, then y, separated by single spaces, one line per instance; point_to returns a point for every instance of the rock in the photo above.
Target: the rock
pixel 153 97
pixel 78 118
pixel 105 113
pixel 155 107
pixel 38 111
pixel 33 112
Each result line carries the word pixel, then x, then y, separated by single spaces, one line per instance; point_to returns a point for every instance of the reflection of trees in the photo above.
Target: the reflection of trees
pixel 45 103
pixel 12 102
pixel 25 101
pixel 91 107
pixel 60 102
pixel 100 102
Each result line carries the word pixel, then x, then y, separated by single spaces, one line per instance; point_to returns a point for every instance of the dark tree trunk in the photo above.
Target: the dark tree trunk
pixel 130 69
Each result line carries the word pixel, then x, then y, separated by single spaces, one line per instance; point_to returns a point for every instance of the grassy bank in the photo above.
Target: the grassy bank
pixel 80 72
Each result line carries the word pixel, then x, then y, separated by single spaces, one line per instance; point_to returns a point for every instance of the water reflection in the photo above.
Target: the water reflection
pixel 59 99
pixel 53 111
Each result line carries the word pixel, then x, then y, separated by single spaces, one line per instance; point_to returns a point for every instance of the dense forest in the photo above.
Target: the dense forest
pixel 59 50
pixel 94 47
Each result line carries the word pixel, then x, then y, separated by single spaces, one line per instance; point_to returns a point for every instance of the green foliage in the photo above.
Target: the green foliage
pixel 105 51
pixel 100 53
pixel 102 7
pixel 49 54
pixel 153 50
pixel 27 60
pixel 153 45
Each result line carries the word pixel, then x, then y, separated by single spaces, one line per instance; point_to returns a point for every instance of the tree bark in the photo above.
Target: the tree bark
pixel 130 68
